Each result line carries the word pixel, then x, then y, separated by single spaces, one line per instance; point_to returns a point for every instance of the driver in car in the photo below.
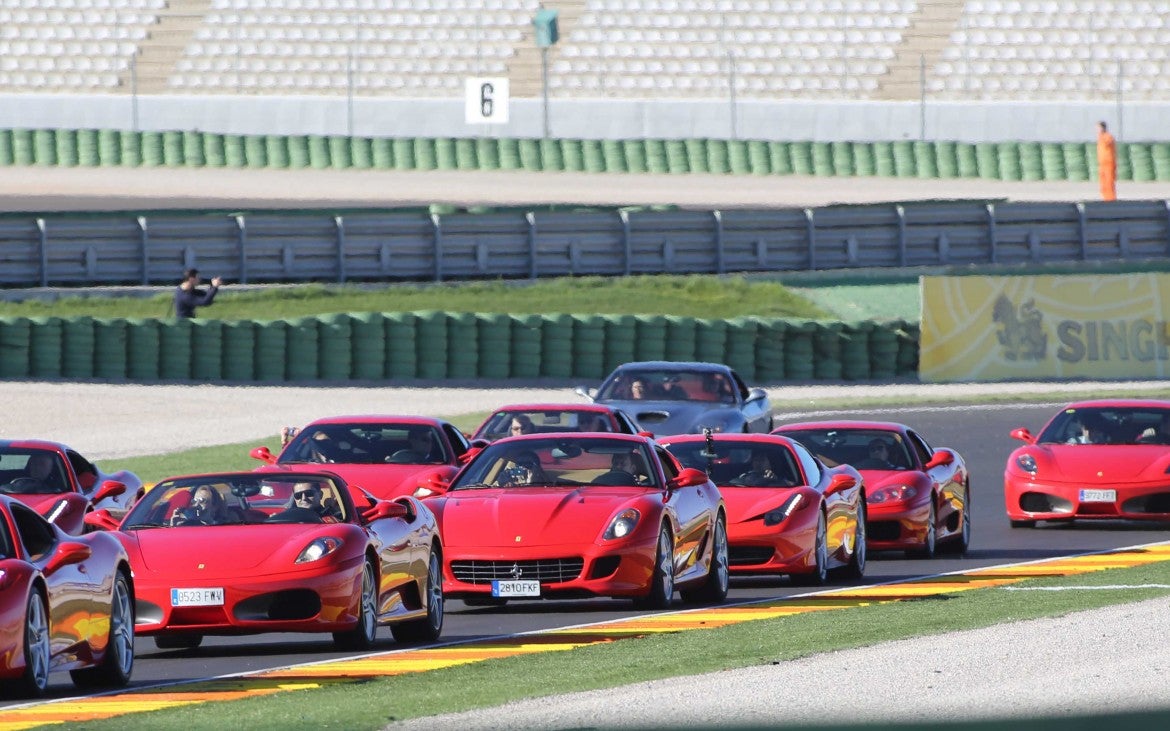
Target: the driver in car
pixel 525 470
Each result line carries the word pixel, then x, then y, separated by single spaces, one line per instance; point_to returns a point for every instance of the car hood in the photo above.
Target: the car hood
pixel 746 503
pixel 535 516
pixel 213 552
pixel 665 418
pixel 1093 464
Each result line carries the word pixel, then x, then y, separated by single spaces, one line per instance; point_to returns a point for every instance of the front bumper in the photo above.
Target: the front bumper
pixel 1040 500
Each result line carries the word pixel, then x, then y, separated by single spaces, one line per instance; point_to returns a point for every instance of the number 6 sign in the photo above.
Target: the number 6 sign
pixel 486 100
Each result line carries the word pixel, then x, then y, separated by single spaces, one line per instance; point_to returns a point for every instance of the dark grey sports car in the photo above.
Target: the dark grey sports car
pixel 666 397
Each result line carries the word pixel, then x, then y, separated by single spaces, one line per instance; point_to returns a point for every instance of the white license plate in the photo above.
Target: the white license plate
pixel 1098 496
pixel 515 588
pixel 211 597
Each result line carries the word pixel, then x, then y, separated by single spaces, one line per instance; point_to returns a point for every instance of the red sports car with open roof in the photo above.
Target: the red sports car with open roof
pixel 918 497
pixel 383 454
pixel 787 513
pixel 1093 460
pixel 581 515
pixel 242 553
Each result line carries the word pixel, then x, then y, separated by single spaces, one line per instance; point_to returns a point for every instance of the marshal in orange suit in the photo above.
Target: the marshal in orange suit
pixel 1106 163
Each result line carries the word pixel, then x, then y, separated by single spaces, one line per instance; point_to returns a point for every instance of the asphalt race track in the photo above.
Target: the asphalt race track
pixel 979 432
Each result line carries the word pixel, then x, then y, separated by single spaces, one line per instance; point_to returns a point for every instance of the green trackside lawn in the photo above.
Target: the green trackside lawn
pixel 695 296
pixel 372 704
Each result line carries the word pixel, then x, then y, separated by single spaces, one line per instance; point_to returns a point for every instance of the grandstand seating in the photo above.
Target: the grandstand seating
pixel 637 49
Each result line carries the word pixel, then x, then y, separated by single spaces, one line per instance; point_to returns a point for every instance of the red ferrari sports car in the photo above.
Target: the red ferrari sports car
pixel 383 454
pixel 787 513
pixel 62 485
pixel 1093 460
pixel 66 603
pixel 517 419
pixel 577 515
pixel 293 551
pixel 917 497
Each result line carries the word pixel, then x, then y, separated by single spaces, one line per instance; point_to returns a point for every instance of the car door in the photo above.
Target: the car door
pixel 754 410
pixel 625 422
pixel 946 478
pixel 76 594
pixel 691 509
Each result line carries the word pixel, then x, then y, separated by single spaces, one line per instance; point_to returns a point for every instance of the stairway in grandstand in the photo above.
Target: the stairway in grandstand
pixel 162 48
pixel 922 46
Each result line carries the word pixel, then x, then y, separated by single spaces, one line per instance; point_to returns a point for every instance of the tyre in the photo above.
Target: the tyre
pixel 661 592
pixel 930 544
pixel 365 632
pixel 855 569
pixel 430 627
pixel 820 572
pixel 178 642
pixel 34 680
pixel 118 662
pixel 714 589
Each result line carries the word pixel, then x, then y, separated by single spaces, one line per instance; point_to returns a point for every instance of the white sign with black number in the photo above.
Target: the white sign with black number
pixel 486 100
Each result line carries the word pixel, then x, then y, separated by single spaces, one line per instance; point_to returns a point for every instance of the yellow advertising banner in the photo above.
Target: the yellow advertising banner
pixel 986 328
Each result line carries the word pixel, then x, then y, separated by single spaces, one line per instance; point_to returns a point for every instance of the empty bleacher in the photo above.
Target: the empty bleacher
pixel 617 49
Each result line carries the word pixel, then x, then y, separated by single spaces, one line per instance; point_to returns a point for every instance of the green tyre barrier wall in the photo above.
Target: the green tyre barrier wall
pixel 439 345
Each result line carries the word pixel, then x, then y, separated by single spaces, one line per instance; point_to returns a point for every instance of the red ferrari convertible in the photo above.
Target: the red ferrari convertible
pixel 245 553
pixel 1093 460
pixel 517 419
pixel 66 603
pixel 579 515
pixel 62 485
pixel 787 513
pixel 917 497
pixel 383 454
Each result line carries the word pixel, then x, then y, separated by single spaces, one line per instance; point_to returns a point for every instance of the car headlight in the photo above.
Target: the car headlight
pixel 781 514
pixel 891 494
pixel 319 549
pixel 623 525
pixel 1027 463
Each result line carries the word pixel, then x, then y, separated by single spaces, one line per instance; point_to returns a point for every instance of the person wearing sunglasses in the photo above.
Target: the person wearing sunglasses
pixel 308 496
pixel 206 508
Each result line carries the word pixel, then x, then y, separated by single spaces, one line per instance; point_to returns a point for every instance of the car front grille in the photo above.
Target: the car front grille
pixel 545 570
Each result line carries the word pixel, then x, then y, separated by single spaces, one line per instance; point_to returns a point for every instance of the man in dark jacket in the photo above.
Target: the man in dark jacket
pixel 188 296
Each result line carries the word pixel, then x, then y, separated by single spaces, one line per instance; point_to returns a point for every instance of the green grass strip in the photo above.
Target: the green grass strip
pixel 371 704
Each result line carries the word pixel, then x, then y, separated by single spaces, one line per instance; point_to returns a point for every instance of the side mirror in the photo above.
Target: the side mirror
pixel 1023 435
pixel 263 454
pixel 757 394
pixel 839 482
pixel 583 391
pixel 435 484
pixel 475 449
pixel 100 520
pixel 689 477
pixel 68 553
pixel 109 488
pixel 939 458
pixel 385 509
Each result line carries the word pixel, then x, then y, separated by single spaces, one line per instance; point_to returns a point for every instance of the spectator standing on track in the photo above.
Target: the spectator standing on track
pixel 188 296
pixel 1106 162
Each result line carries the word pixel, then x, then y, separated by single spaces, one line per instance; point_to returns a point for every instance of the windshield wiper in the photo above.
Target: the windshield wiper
pixel 136 526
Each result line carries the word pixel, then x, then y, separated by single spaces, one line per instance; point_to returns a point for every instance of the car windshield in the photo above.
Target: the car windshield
pixel 740 464
pixel 244 499
pixel 32 471
pixel 560 462
pixel 865 449
pixel 1108 425
pixel 385 443
pixel 668 385
pixel 509 423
